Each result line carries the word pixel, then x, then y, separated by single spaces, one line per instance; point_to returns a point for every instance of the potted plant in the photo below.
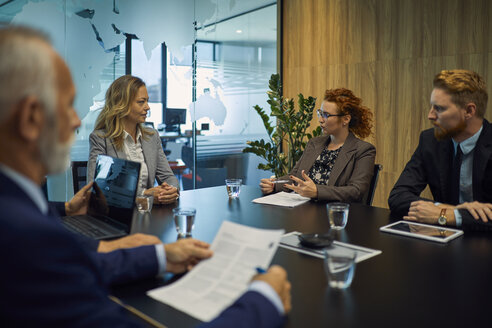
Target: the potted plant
pixel 290 130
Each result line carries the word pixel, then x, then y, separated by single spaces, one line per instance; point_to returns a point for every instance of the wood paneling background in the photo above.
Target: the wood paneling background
pixel 387 52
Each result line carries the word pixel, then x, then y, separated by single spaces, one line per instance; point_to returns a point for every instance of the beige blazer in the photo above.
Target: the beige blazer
pixel 351 174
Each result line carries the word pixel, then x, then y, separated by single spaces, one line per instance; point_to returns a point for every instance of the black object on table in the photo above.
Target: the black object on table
pixel 413 283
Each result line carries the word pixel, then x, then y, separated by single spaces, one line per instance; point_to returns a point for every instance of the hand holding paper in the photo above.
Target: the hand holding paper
pixel 185 254
pixel 276 277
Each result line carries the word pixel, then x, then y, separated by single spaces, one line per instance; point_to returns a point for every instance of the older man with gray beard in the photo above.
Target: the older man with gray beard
pixel 48 277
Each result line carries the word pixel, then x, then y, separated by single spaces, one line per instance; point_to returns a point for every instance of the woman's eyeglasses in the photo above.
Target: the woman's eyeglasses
pixel 326 115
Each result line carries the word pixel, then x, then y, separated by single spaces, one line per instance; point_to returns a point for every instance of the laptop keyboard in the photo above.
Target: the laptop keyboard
pixel 85 228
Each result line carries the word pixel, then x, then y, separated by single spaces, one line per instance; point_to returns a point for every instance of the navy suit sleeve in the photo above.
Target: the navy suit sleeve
pixel 126 265
pixel 48 279
pixel 470 224
pixel 411 183
pixel 250 310
pixel 59 207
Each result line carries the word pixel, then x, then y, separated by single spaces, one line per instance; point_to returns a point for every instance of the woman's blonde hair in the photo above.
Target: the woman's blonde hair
pixel 119 97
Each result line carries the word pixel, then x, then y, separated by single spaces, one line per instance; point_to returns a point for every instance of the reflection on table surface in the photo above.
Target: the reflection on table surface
pixel 411 276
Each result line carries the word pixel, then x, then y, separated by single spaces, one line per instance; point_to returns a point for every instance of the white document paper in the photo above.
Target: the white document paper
pixel 283 199
pixel 216 283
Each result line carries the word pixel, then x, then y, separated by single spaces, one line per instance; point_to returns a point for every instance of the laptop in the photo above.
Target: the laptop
pixel 111 206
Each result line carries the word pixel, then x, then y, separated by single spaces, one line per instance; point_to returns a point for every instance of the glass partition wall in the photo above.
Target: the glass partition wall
pixel 205 63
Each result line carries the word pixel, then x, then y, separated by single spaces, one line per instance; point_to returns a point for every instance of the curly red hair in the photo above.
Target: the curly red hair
pixel 347 103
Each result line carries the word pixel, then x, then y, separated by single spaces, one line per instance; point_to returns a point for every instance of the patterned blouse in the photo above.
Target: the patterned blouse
pixel 321 169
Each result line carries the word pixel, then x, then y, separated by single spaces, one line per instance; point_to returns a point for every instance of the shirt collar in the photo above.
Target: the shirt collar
pixel 126 135
pixel 28 186
pixel 469 144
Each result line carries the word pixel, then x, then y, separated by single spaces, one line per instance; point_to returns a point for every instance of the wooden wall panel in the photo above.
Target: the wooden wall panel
pixel 387 52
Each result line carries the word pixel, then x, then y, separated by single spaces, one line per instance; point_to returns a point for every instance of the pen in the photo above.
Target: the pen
pixel 260 270
pixel 280 181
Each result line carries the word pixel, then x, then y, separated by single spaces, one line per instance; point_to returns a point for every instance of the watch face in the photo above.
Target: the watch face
pixel 442 220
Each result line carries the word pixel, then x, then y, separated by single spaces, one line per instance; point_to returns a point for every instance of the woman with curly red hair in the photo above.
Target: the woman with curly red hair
pixel 339 165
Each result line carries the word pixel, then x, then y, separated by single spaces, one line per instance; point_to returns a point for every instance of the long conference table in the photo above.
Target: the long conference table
pixel 413 283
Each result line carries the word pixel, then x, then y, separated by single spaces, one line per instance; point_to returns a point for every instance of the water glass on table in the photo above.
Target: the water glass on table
pixel 233 187
pixel 339 267
pixel 184 218
pixel 144 203
pixel 338 215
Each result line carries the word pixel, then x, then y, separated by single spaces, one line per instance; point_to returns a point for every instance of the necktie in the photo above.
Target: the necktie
pixel 455 182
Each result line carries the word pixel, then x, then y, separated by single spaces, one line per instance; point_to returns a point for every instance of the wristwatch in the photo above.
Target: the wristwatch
pixel 442 219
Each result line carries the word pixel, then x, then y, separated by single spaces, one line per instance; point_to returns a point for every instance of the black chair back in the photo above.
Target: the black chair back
pixel 79 175
pixel 374 182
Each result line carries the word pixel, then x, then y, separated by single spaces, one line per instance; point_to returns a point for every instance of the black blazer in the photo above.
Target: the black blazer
pixel 431 164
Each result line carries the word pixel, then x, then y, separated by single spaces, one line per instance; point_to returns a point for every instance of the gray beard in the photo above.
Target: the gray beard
pixel 55 156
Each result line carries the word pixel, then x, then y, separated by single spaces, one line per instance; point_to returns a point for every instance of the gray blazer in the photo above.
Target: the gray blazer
pixel 351 174
pixel 155 159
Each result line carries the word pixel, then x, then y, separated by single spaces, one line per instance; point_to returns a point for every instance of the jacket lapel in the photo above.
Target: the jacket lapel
pixel 445 158
pixel 147 153
pixel 482 153
pixel 308 162
pixel 118 153
pixel 10 189
pixel 343 158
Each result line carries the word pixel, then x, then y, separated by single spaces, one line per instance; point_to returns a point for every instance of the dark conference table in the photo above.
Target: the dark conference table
pixel 412 283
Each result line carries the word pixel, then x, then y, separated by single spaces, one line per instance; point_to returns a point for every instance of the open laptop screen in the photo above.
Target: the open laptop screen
pixel 114 190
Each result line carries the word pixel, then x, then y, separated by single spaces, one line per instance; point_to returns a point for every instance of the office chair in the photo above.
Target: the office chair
pixel 79 175
pixel 372 186
pixel 167 152
pixel 205 176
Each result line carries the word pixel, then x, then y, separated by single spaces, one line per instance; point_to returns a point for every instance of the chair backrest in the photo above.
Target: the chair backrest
pixel 79 175
pixel 374 183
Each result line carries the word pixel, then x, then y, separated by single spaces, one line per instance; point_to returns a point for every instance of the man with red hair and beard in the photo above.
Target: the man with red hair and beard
pixel 454 158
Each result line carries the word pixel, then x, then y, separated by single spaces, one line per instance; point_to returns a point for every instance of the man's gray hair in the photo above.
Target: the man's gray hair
pixel 26 69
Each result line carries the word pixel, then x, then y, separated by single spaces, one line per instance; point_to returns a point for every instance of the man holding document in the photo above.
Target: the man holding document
pixel 48 277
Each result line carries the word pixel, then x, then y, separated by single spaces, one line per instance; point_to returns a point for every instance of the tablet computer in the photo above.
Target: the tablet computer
pixel 423 231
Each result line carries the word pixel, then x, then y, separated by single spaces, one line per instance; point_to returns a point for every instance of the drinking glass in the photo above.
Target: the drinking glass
pixel 339 267
pixel 144 203
pixel 233 187
pixel 184 218
pixel 338 215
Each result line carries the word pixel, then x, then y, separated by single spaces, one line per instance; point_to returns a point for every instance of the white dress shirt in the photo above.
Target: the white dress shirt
pixel 133 151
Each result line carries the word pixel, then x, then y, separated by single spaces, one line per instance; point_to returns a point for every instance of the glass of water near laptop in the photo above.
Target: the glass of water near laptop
pixel 338 215
pixel 233 187
pixel 184 218
pixel 144 203
pixel 339 267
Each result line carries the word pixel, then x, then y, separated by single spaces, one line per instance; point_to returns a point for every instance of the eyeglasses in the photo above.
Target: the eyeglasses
pixel 326 115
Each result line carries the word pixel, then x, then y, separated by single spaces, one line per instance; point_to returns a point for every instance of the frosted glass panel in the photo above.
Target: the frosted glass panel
pixel 90 35
pixel 236 53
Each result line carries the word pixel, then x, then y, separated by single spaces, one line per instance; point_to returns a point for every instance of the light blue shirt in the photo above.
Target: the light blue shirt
pixel 266 290
pixel 466 172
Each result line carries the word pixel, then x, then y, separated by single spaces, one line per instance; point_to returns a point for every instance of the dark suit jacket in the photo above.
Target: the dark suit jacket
pixel 156 161
pixel 351 175
pixel 431 164
pixel 49 279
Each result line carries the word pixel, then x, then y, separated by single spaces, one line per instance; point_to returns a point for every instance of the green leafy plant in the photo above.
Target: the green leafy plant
pixel 290 130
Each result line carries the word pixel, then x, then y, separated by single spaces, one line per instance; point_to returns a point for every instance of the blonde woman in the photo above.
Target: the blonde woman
pixel 119 132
